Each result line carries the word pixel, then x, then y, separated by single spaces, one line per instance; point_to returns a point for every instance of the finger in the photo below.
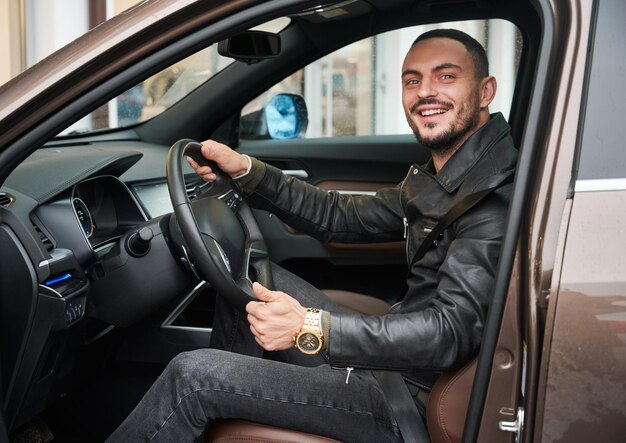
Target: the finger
pixel 254 331
pixel 262 293
pixel 260 343
pixel 192 163
pixel 203 170
pixel 255 323
pixel 252 308
pixel 206 173
pixel 208 150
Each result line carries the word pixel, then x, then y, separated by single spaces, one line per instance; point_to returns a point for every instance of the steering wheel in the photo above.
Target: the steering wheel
pixel 217 227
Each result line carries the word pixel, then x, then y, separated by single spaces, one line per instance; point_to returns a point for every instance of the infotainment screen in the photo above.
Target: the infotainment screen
pixel 154 198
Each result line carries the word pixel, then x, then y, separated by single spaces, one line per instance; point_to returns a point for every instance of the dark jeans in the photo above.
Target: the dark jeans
pixel 239 380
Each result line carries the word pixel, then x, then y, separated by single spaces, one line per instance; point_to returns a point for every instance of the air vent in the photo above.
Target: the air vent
pixel 195 189
pixel 6 199
pixel 47 243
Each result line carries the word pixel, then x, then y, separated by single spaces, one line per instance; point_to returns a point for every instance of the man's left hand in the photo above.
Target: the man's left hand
pixel 275 319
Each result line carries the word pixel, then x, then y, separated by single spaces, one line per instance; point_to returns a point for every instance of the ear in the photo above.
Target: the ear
pixel 488 86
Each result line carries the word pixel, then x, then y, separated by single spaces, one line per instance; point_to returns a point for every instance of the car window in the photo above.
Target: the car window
pixel 602 154
pixel 356 90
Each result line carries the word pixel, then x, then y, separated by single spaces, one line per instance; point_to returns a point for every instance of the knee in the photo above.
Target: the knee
pixel 196 367
pixel 188 362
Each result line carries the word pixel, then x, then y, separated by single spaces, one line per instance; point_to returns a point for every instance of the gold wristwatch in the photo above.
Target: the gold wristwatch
pixel 309 339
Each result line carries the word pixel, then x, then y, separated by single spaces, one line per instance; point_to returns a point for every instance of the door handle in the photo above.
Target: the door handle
pixel 298 173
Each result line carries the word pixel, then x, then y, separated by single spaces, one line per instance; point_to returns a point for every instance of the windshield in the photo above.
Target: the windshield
pixel 161 91
pixel 155 94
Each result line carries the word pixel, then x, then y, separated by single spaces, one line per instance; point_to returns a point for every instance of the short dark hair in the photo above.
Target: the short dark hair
pixel 475 49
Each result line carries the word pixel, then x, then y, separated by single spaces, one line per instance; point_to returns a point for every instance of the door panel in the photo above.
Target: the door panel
pixel 343 164
pixel 381 158
pixel 586 366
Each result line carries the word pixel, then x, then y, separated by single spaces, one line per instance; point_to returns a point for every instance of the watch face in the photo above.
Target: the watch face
pixel 309 343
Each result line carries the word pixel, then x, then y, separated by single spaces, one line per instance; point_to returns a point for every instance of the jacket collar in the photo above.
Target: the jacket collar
pixel 463 160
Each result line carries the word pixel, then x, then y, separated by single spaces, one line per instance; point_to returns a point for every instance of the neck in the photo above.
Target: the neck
pixel 441 156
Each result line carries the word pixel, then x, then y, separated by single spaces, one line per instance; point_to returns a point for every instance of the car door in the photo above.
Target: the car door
pixel 558 365
pixel 584 368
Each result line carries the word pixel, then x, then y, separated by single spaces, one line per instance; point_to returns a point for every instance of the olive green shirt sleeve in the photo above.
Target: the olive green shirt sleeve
pixel 325 330
pixel 249 182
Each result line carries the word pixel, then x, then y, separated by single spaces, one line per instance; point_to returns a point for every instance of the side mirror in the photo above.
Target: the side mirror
pixel 283 117
pixel 250 46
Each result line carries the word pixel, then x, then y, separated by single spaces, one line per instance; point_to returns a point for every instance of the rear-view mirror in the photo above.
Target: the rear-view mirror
pixel 250 46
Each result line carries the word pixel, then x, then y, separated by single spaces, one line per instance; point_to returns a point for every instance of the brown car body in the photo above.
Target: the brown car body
pixel 560 350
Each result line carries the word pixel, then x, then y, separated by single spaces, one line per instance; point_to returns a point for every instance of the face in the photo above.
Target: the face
pixel 443 100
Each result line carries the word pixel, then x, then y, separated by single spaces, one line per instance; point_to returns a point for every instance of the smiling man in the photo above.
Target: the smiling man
pixel 440 97
pixel 319 377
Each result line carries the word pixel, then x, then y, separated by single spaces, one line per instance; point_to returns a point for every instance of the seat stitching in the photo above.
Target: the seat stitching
pixel 445 391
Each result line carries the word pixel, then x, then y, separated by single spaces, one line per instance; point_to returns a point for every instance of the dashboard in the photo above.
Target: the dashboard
pixel 100 217
pixel 69 215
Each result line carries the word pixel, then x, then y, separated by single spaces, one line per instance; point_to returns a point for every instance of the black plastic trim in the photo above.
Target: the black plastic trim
pixel 584 99
pixel 14 386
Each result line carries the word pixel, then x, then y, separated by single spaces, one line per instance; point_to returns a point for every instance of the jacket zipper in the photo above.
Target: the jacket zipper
pixel 405 221
pixel 349 369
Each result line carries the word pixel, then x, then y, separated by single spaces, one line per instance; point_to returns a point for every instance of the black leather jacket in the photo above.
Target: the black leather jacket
pixel 439 323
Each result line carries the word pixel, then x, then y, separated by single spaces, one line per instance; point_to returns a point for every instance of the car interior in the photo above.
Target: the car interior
pixel 99 285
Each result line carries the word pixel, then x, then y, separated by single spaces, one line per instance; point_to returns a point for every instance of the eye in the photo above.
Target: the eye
pixel 447 77
pixel 412 82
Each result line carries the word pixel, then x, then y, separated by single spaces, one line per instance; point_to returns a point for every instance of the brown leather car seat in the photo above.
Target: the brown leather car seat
pixel 241 431
pixel 445 411
pixel 361 303
pixel 447 404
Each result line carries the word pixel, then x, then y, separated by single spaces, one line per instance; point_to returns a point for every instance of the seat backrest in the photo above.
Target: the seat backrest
pixel 447 404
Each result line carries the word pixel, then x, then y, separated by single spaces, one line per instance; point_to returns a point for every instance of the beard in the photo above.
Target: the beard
pixel 467 119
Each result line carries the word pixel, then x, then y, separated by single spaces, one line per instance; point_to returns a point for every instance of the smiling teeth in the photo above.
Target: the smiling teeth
pixel 433 112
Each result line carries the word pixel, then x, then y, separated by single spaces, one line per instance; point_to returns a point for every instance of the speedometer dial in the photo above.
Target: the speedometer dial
pixel 84 216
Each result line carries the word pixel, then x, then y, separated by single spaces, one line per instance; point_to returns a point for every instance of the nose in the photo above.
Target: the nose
pixel 427 88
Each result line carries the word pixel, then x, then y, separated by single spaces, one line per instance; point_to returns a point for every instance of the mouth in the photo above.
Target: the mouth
pixel 431 112
pixel 430 109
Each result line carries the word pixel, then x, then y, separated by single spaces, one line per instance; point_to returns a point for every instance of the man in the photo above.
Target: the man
pixel 325 385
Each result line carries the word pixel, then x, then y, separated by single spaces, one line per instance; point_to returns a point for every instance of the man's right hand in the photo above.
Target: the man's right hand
pixel 229 161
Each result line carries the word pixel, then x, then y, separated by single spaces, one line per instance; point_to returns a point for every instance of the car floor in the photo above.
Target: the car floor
pixel 91 414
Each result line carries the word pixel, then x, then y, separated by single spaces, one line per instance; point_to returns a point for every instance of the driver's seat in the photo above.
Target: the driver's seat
pixel 445 410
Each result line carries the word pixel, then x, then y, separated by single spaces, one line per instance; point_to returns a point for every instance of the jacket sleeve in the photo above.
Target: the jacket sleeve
pixel 447 331
pixel 330 216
